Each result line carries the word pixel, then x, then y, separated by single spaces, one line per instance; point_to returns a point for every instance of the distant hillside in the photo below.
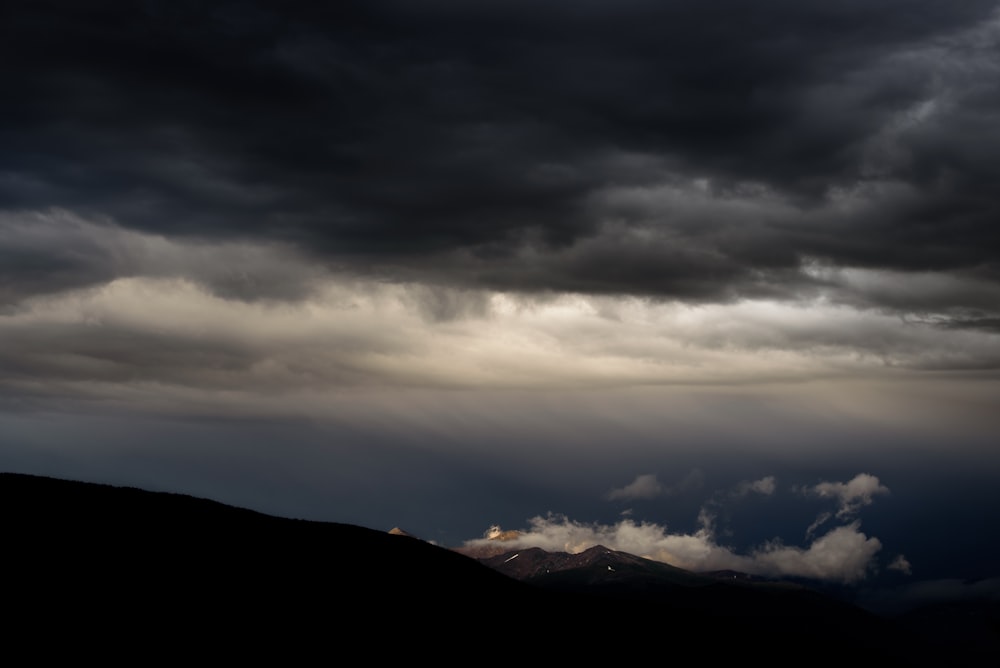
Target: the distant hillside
pixel 622 578
pixel 111 571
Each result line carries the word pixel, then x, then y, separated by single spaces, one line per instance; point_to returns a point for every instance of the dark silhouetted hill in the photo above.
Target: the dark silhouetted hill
pixel 96 571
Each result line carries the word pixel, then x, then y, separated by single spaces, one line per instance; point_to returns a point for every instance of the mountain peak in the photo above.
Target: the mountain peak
pixel 496 533
pixel 597 564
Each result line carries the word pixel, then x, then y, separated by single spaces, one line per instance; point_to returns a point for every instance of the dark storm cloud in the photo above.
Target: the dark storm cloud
pixel 54 251
pixel 515 144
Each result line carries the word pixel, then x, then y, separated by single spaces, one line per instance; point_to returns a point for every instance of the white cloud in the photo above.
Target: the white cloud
pixel 842 555
pixel 819 521
pixel 765 486
pixel 644 486
pixel 901 564
pixel 648 486
pixel 852 495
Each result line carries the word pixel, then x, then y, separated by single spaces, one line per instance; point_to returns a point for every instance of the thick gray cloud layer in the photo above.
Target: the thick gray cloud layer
pixel 703 151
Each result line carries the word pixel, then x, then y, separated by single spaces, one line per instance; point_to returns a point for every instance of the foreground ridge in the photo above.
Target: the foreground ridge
pixel 178 572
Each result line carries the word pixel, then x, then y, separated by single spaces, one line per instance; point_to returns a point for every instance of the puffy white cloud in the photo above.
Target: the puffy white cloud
pixel 852 495
pixel 558 533
pixel 843 555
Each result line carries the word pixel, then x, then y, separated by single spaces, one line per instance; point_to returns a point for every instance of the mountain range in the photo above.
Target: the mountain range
pixel 121 573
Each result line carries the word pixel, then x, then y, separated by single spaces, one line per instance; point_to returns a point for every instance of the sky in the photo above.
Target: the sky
pixel 714 282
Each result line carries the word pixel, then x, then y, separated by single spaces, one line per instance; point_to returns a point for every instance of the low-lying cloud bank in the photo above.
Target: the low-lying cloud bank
pixel 843 554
